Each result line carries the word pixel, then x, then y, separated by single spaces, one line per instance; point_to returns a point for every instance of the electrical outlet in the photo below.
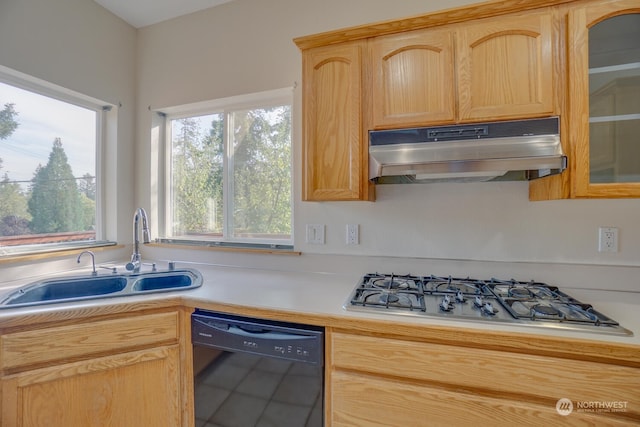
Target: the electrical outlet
pixel 315 234
pixel 607 239
pixel 352 234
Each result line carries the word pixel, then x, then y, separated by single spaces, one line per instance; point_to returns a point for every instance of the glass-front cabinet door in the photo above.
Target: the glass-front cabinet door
pixel 604 98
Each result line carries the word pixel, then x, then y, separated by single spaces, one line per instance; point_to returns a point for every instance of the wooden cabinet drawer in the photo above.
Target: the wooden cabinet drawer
pixel 474 369
pixel 26 348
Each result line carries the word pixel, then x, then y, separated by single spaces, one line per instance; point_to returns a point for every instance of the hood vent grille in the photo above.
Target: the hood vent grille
pixel 513 150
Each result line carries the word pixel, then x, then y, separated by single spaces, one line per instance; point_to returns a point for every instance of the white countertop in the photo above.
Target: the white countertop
pixel 324 295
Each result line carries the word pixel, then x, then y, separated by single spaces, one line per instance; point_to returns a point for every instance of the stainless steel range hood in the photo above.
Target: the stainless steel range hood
pixel 512 150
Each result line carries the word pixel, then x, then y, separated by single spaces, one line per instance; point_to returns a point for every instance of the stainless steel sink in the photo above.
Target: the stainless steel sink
pixel 77 288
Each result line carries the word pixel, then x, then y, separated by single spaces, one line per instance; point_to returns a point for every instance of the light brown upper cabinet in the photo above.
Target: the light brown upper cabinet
pixel 495 68
pixel 413 78
pixel 604 90
pixel 334 159
pixel 505 67
pixel 494 61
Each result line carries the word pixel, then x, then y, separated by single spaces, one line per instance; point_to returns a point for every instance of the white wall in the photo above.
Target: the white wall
pixel 246 46
pixel 80 46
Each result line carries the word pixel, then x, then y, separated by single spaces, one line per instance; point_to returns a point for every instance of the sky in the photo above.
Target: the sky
pixel 41 120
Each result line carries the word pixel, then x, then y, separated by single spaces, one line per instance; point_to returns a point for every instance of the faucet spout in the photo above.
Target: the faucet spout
pixel 138 216
pixel 93 261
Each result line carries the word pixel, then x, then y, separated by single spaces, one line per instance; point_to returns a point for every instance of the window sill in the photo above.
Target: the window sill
pixel 59 252
pixel 209 246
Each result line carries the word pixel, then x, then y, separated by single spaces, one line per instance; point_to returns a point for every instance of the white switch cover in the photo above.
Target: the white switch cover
pixel 315 234
pixel 607 239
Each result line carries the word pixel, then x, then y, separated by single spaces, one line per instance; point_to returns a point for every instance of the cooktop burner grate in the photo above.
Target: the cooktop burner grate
pixel 508 301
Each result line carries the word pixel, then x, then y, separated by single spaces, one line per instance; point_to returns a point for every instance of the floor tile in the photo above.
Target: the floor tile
pixel 273 365
pixel 298 389
pixel 225 376
pixel 242 359
pixel 284 415
pixel 242 390
pixel 305 369
pixel 260 384
pixel 239 410
pixel 208 399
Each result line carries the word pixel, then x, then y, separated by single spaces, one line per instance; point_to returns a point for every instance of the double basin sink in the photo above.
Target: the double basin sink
pixel 74 288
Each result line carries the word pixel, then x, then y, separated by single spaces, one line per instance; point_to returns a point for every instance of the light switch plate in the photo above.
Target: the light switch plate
pixel 315 234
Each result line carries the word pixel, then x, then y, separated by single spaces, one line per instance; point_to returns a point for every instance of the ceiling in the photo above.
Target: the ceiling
pixel 141 13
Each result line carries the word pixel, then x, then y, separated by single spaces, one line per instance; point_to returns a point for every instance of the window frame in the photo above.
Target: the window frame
pixel 105 114
pixel 225 106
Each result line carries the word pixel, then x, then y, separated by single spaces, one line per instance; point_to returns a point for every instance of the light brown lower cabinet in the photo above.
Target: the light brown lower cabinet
pixel 128 371
pixel 379 381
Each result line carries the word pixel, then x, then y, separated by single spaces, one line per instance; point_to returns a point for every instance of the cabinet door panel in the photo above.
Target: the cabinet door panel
pixel 362 400
pixel 500 372
pixel 413 80
pixel 505 67
pixel 333 154
pixel 138 388
pixel 604 83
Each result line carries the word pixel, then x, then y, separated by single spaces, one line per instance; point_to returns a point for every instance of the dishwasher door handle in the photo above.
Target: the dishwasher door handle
pixel 224 327
pixel 269 335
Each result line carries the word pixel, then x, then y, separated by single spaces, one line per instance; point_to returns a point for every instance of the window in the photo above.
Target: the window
pixel 48 182
pixel 229 179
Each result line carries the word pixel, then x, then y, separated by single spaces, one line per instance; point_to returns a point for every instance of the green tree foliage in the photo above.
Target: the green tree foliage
pixel 55 202
pixel 14 215
pixel 197 189
pixel 8 123
pixel 262 171
pixel 14 218
pixel 13 201
pixel 87 186
pixel 259 164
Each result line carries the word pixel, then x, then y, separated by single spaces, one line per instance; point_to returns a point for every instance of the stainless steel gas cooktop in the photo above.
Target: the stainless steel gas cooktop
pixel 507 301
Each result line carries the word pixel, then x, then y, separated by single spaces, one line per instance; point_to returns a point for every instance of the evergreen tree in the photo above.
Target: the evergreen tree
pixel 8 123
pixel 55 203
pixel 14 217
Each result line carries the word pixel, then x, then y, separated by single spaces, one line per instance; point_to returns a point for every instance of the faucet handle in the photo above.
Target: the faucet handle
pixel 114 270
pixel 133 266
pixel 152 264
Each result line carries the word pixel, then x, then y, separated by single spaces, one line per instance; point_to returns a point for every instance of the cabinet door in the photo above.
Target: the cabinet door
pixel 505 67
pixel 334 152
pixel 604 86
pixel 131 389
pixel 413 79
pixel 364 400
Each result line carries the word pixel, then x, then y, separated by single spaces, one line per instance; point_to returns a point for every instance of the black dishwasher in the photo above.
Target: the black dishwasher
pixel 259 372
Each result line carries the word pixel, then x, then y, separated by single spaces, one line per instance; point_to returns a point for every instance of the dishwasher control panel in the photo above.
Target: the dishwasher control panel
pixel 290 341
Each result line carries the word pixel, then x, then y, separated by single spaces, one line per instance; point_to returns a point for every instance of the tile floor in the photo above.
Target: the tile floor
pixel 243 390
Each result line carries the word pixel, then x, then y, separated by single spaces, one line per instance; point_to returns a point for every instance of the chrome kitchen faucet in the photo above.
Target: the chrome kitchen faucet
pixel 93 261
pixel 134 264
